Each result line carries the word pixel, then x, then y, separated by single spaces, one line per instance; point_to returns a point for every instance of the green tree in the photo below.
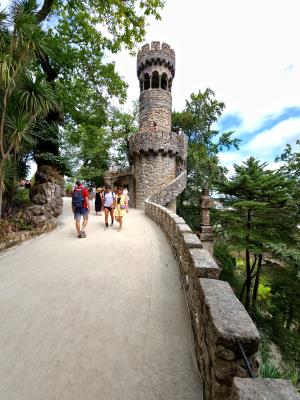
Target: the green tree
pixel 71 51
pixel 198 121
pixel 259 211
pixel 24 98
pixel 291 160
pixel 85 34
pixel 97 149
pixel 121 126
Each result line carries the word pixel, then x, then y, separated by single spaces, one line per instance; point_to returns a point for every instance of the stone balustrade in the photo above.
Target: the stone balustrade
pixel 219 321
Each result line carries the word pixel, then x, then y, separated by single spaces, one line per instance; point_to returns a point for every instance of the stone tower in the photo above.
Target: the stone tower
pixel 156 152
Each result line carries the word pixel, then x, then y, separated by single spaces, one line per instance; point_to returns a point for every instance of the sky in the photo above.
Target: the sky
pixel 248 53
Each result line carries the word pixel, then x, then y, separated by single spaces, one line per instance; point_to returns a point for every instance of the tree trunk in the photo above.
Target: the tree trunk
pixel 2 161
pixel 290 316
pixel 248 280
pixel 248 267
pixel 256 283
pixel 252 276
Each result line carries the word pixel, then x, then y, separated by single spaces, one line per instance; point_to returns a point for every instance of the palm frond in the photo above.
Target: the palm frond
pixel 8 174
pixel 37 96
pixel 19 128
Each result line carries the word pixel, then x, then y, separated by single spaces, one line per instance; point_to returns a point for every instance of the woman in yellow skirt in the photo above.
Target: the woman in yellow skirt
pixel 121 207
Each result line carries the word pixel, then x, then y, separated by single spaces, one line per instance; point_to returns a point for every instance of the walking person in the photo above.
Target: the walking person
pixel 93 192
pixel 109 198
pixel 80 208
pixel 98 201
pixel 121 207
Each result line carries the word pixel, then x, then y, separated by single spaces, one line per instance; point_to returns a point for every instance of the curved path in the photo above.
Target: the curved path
pixel 101 318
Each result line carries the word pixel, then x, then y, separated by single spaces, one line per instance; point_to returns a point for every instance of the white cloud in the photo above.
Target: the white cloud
pixel 284 132
pixel 241 50
pixel 231 157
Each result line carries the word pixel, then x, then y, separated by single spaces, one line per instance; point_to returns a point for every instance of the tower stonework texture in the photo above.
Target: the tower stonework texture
pixel 157 153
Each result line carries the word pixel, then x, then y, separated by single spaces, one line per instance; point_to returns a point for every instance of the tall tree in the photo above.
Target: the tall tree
pixel 198 121
pixel 259 212
pixel 86 32
pixel 79 36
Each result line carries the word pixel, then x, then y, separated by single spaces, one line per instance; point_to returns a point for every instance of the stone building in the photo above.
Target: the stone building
pixel 156 153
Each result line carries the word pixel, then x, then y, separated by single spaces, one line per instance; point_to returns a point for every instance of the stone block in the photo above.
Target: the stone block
pixel 228 316
pixel 263 389
pixel 190 240
pixel 182 227
pixel 203 264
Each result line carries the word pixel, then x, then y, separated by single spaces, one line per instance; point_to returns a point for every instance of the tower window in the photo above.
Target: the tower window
pixel 164 81
pixel 155 80
pixel 146 81
pixel 170 84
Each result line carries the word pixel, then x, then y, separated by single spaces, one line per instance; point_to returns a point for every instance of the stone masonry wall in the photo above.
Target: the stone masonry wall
pixel 152 172
pixel 156 53
pixel 155 107
pixel 219 321
pixel 155 142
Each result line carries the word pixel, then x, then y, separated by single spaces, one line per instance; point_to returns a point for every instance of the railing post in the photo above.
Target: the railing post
pixel 206 233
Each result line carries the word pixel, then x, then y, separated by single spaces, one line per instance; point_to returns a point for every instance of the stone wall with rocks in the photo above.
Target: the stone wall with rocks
pixel 174 144
pixel 152 172
pixel 220 324
pixel 46 198
pixel 170 191
pixel 155 108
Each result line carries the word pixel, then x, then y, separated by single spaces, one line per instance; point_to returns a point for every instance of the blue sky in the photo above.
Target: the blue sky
pixel 247 52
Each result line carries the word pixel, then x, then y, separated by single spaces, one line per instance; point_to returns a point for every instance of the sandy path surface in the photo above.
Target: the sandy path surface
pixel 101 318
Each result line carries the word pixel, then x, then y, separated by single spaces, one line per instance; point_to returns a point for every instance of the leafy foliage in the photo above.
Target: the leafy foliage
pixel 24 98
pixel 204 143
pixel 260 212
pixel 58 71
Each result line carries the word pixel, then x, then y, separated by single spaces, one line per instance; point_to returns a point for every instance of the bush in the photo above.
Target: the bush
pixel 228 264
pixel 21 198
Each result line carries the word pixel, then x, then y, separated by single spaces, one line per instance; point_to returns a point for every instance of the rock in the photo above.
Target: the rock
pixel 263 389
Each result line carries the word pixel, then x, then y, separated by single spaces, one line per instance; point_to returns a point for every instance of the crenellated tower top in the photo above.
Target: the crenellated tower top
pixel 156 54
pixel 156 71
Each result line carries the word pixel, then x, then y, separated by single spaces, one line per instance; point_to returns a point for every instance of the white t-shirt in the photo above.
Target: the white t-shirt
pixel 125 191
pixel 108 199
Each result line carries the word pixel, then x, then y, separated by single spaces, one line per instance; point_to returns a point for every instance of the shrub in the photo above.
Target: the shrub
pixel 21 199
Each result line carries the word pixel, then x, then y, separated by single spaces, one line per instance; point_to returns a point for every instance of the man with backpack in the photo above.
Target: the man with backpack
pixel 80 207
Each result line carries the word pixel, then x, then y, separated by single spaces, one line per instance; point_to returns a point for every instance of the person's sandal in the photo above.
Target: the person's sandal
pixel 82 234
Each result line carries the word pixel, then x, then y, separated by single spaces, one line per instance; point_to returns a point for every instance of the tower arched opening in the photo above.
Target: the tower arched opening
pixel 170 84
pixel 155 80
pixel 146 81
pixel 164 81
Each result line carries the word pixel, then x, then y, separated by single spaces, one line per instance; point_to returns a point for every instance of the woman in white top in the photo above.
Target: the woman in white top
pixel 109 198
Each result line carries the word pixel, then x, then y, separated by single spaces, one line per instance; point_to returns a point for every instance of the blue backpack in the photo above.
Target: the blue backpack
pixel 77 198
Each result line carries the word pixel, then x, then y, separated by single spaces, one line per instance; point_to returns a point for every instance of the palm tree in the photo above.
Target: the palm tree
pixel 25 96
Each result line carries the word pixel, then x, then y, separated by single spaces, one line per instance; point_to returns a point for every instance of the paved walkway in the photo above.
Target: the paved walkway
pixel 101 318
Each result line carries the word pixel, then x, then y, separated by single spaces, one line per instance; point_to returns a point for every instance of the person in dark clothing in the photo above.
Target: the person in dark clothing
pixel 98 201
